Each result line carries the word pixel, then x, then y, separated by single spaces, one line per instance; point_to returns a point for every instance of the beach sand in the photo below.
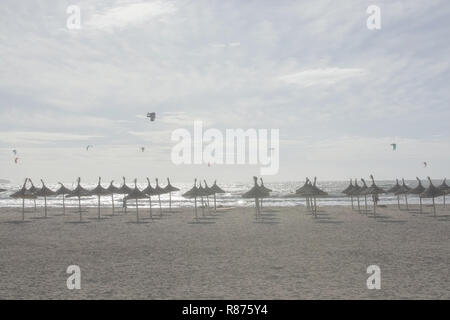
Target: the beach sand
pixel 287 255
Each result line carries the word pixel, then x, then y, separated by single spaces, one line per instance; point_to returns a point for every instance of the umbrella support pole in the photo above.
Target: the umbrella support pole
pixel 35 207
pixel 365 203
pixel 160 208
pixel 215 206
pixel 203 206
pixel 195 208
pixel 98 207
pixel 420 201
pixel 444 199
pixel 45 207
pixel 170 202
pixel 315 207
pixel 351 198
pixel 137 211
pixel 150 203
pixel 64 204
pixel 434 207
pixel 359 207
pixel 398 202
pixel 406 200
pixel 23 209
pixel 79 206
pixel 112 201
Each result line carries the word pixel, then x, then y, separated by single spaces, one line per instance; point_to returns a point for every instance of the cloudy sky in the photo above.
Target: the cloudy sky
pixel 339 93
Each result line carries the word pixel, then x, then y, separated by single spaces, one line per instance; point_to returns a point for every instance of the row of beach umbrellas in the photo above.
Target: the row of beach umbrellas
pixel 130 194
pixel 355 190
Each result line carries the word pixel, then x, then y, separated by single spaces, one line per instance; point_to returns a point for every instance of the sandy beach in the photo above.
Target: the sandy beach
pixel 286 255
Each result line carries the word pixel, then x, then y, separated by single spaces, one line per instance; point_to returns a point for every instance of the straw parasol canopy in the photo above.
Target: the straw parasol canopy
pixel 33 190
pixel 348 191
pixel 356 191
pixel 374 190
pixel 44 192
pixel 363 191
pixel 418 190
pixel 394 189
pixel 403 190
pixel 99 191
pixel 2 190
pixel 135 194
pixel 159 191
pixel 431 192
pixel 193 193
pixel 216 189
pixel 23 194
pixel 78 192
pixel 169 189
pixel 257 193
pixel 149 191
pixel 63 191
pixel 444 188
pixel 124 189
pixel 112 189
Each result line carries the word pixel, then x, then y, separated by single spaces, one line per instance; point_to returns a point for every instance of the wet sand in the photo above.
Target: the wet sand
pixel 288 254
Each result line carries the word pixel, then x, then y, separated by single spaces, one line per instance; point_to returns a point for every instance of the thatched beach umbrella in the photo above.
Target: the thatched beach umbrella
pixel 149 191
pixel 403 190
pixel 99 191
pixel 159 191
pixel 193 193
pixel 169 189
pixel 208 192
pixel 135 194
pixel 309 191
pixel 33 190
pixel 264 189
pixel 256 193
pixel 444 188
pixel 374 190
pixel 44 192
pixel 63 191
pixel 124 189
pixel 23 194
pixel 418 190
pixel 356 191
pixel 78 192
pixel 363 191
pixel 2 190
pixel 112 189
pixel 347 191
pixel 300 191
pixel 216 189
pixel 432 192
pixel 393 190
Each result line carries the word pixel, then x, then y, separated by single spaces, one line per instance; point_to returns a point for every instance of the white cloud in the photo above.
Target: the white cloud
pixel 322 76
pixel 130 14
pixel 36 137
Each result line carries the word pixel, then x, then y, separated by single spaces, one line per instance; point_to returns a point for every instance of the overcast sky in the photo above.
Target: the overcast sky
pixel 339 93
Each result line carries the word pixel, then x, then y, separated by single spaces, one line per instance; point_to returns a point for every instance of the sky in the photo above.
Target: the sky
pixel 338 93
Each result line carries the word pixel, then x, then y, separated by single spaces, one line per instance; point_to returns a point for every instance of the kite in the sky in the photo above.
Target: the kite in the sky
pixel 394 146
pixel 425 164
pixel 88 147
pixel 16 160
pixel 151 115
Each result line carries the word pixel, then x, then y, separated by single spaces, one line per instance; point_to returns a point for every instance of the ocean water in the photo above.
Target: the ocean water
pixel 280 197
